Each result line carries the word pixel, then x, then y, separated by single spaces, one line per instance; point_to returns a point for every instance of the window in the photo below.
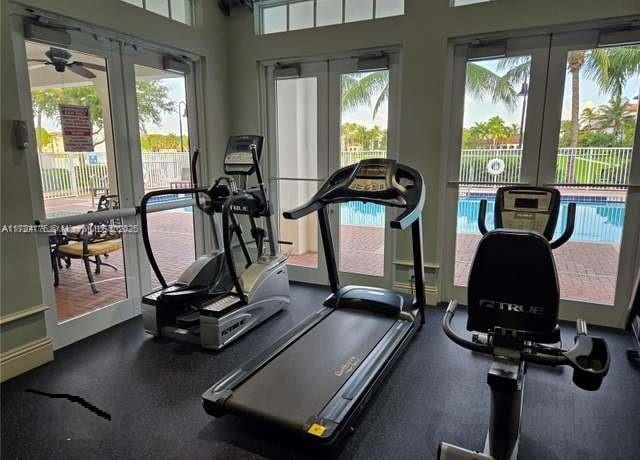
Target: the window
pixel 178 10
pixel 274 16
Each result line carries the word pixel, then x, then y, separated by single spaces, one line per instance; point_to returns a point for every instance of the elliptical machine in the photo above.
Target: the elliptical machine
pixel 210 304
pixel 513 303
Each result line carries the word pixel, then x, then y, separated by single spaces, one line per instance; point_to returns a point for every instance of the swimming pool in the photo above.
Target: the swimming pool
pixel 597 219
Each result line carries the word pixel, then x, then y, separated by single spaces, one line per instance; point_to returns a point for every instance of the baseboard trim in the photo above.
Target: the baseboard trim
pixel 4 319
pixel 409 263
pixel 431 292
pixel 22 359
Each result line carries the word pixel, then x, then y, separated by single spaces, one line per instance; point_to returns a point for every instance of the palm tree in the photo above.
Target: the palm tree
pixel 359 90
pixel 614 115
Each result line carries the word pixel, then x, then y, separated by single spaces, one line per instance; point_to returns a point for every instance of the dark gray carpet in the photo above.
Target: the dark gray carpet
pixel 437 392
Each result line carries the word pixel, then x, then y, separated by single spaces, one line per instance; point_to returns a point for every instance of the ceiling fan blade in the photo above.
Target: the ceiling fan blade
pixel 36 66
pixel 42 61
pixel 89 65
pixel 78 69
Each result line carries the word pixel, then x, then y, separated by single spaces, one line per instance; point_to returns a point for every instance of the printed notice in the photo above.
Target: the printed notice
pixel 76 128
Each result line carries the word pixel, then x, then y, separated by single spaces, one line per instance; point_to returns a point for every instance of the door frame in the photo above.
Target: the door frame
pixel 338 67
pixel 312 69
pixel 92 40
pixel 537 47
pixel 608 315
pixel 328 70
pixel 132 56
pixel 546 116
pixel 82 326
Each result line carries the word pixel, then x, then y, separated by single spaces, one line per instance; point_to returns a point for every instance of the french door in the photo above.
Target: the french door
pixel 132 103
pixel 322 116
pixel 555 110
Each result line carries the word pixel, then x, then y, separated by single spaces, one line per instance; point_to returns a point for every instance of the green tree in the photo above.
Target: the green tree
pixel 153 100
pixel 152 96
pixel 45 103
pixel 614 115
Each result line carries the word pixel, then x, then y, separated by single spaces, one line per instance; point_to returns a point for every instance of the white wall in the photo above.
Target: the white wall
pixel 423 33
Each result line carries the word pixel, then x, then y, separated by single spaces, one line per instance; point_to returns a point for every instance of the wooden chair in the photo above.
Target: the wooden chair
pixel 96 240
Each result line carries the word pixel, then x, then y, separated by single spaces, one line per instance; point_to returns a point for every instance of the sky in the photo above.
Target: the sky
pixel 590 96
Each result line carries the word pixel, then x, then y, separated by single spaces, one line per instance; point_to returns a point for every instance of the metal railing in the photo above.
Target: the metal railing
pixel 349 157
pixel 79 174
pixel 579 165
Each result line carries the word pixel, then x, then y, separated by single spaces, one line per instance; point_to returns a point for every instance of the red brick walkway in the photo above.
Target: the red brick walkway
pixel 171 235
pixel 586 270
pixel 361 251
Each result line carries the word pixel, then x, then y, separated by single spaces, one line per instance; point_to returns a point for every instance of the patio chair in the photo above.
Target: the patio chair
pixel 99 187
pixel 96 240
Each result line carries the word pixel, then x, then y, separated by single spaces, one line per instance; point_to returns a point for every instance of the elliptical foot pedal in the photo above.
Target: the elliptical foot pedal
pixel 188 319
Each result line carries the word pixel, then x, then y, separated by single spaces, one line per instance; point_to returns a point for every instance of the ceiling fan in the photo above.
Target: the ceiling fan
pixel 60 60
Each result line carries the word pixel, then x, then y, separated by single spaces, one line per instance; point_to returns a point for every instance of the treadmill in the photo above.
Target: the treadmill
pixel 316 378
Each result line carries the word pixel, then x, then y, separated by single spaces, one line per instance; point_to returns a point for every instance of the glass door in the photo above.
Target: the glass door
pixel 498 97
pixel 362 126
pixel 559 111
pixel 161 96
pixel 297 127
pixel 588 145
pixel 79 172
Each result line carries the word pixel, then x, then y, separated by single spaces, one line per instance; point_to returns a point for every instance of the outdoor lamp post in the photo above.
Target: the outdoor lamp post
pixel 180 115
pixel 524 92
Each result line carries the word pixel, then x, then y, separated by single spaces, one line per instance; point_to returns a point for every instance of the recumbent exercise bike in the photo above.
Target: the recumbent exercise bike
pixel 513 302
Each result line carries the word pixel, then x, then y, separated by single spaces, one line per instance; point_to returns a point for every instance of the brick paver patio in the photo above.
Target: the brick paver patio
pixel 586 270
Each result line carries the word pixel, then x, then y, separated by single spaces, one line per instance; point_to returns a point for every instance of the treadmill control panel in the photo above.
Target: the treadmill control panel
pixel 221 304
pixel 524 209
pixel 371 176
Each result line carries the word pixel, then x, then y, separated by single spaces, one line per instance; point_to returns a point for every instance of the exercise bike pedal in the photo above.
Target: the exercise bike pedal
pixel 189 319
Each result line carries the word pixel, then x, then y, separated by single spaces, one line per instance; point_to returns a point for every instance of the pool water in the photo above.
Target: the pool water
pixel 597 220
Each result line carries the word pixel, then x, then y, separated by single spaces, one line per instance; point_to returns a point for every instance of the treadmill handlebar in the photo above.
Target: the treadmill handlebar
pixel 336 189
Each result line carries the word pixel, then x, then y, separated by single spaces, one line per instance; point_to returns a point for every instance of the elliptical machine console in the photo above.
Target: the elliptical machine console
pixel 513 303
pixel 210 303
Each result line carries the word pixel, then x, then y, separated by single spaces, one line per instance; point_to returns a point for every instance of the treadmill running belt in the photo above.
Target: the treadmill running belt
pixel 301 380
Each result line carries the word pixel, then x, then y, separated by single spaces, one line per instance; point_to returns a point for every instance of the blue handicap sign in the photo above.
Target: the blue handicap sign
pixel 93 159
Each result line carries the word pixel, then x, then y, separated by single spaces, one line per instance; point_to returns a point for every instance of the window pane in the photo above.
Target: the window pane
pixel 358 10
pixel 181 11
pixel 297 106
pixel 363 135
pixel 491 145
pixel 159 7
pixel 300 15
pixel 597 131
pixel 274 19
pixel 134 2
pixel 172 239
pixel 329 12
pixel 386 8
